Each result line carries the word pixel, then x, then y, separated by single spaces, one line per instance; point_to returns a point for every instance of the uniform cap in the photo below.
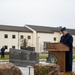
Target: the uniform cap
pixel 63 29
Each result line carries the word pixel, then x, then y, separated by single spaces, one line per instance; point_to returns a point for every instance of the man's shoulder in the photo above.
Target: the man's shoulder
pixel 62 36
pixel 70 36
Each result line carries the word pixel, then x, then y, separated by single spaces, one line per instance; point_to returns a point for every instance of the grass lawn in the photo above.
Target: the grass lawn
pixel 44 57
pixel 74 57
pixel 6 57
pixel 40 57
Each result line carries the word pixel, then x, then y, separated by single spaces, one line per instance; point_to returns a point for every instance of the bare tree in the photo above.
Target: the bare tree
pixel 24 42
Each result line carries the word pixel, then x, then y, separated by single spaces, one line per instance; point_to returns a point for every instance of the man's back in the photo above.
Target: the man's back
pixel 67 40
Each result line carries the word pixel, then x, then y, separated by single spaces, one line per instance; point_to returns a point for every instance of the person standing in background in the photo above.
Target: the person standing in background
pixel 67 39
pixel 2 52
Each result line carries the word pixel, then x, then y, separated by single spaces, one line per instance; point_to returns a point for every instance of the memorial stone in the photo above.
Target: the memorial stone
pixel 23 57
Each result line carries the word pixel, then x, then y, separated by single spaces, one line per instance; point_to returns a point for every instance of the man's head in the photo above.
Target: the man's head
pixel 64 31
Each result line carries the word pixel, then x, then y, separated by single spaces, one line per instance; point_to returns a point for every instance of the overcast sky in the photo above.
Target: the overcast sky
pixel 38 12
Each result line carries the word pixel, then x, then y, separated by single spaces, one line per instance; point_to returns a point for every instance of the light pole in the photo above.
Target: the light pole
pixel 29 68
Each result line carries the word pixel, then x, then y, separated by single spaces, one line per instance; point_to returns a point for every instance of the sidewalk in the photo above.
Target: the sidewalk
pixel 39 60
pixel 44 60
pixel 73 60
pixel 4 60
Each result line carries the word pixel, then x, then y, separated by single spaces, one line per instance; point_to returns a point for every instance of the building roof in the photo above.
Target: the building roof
pixel 71 31
pixel 41 29
pixel 45 29
pixel 14 28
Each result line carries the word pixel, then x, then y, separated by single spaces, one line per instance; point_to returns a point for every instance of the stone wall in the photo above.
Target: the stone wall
pixel 9 69
pixel 23 57
pixel 46 69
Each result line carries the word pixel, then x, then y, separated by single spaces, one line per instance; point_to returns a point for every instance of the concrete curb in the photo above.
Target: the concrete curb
pixel 43 60
pixel 4 60
pixel 74 60
pixel 39 60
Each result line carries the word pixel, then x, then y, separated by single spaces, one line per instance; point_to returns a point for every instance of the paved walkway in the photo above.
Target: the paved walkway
pixel 25 70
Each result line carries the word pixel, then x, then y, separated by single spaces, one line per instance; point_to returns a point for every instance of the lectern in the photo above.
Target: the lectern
pixel 58 50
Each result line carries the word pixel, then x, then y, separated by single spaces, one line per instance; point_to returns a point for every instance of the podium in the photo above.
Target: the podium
pixel 58 50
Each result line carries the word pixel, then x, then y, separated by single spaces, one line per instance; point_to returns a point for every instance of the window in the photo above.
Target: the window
pixel 13 47
pixel 54 38
pixel 21 36
pixel 6 47
pixel 6 36
pixel 13 36
pixel 29 37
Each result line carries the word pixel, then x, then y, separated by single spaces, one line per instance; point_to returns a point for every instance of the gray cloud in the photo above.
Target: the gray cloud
pixel 38 12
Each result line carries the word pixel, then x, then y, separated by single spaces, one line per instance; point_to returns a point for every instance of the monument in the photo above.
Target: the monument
pixel 23 57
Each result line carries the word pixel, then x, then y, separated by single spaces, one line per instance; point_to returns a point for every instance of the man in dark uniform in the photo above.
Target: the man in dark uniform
pixel 2 52
pixel 67 39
